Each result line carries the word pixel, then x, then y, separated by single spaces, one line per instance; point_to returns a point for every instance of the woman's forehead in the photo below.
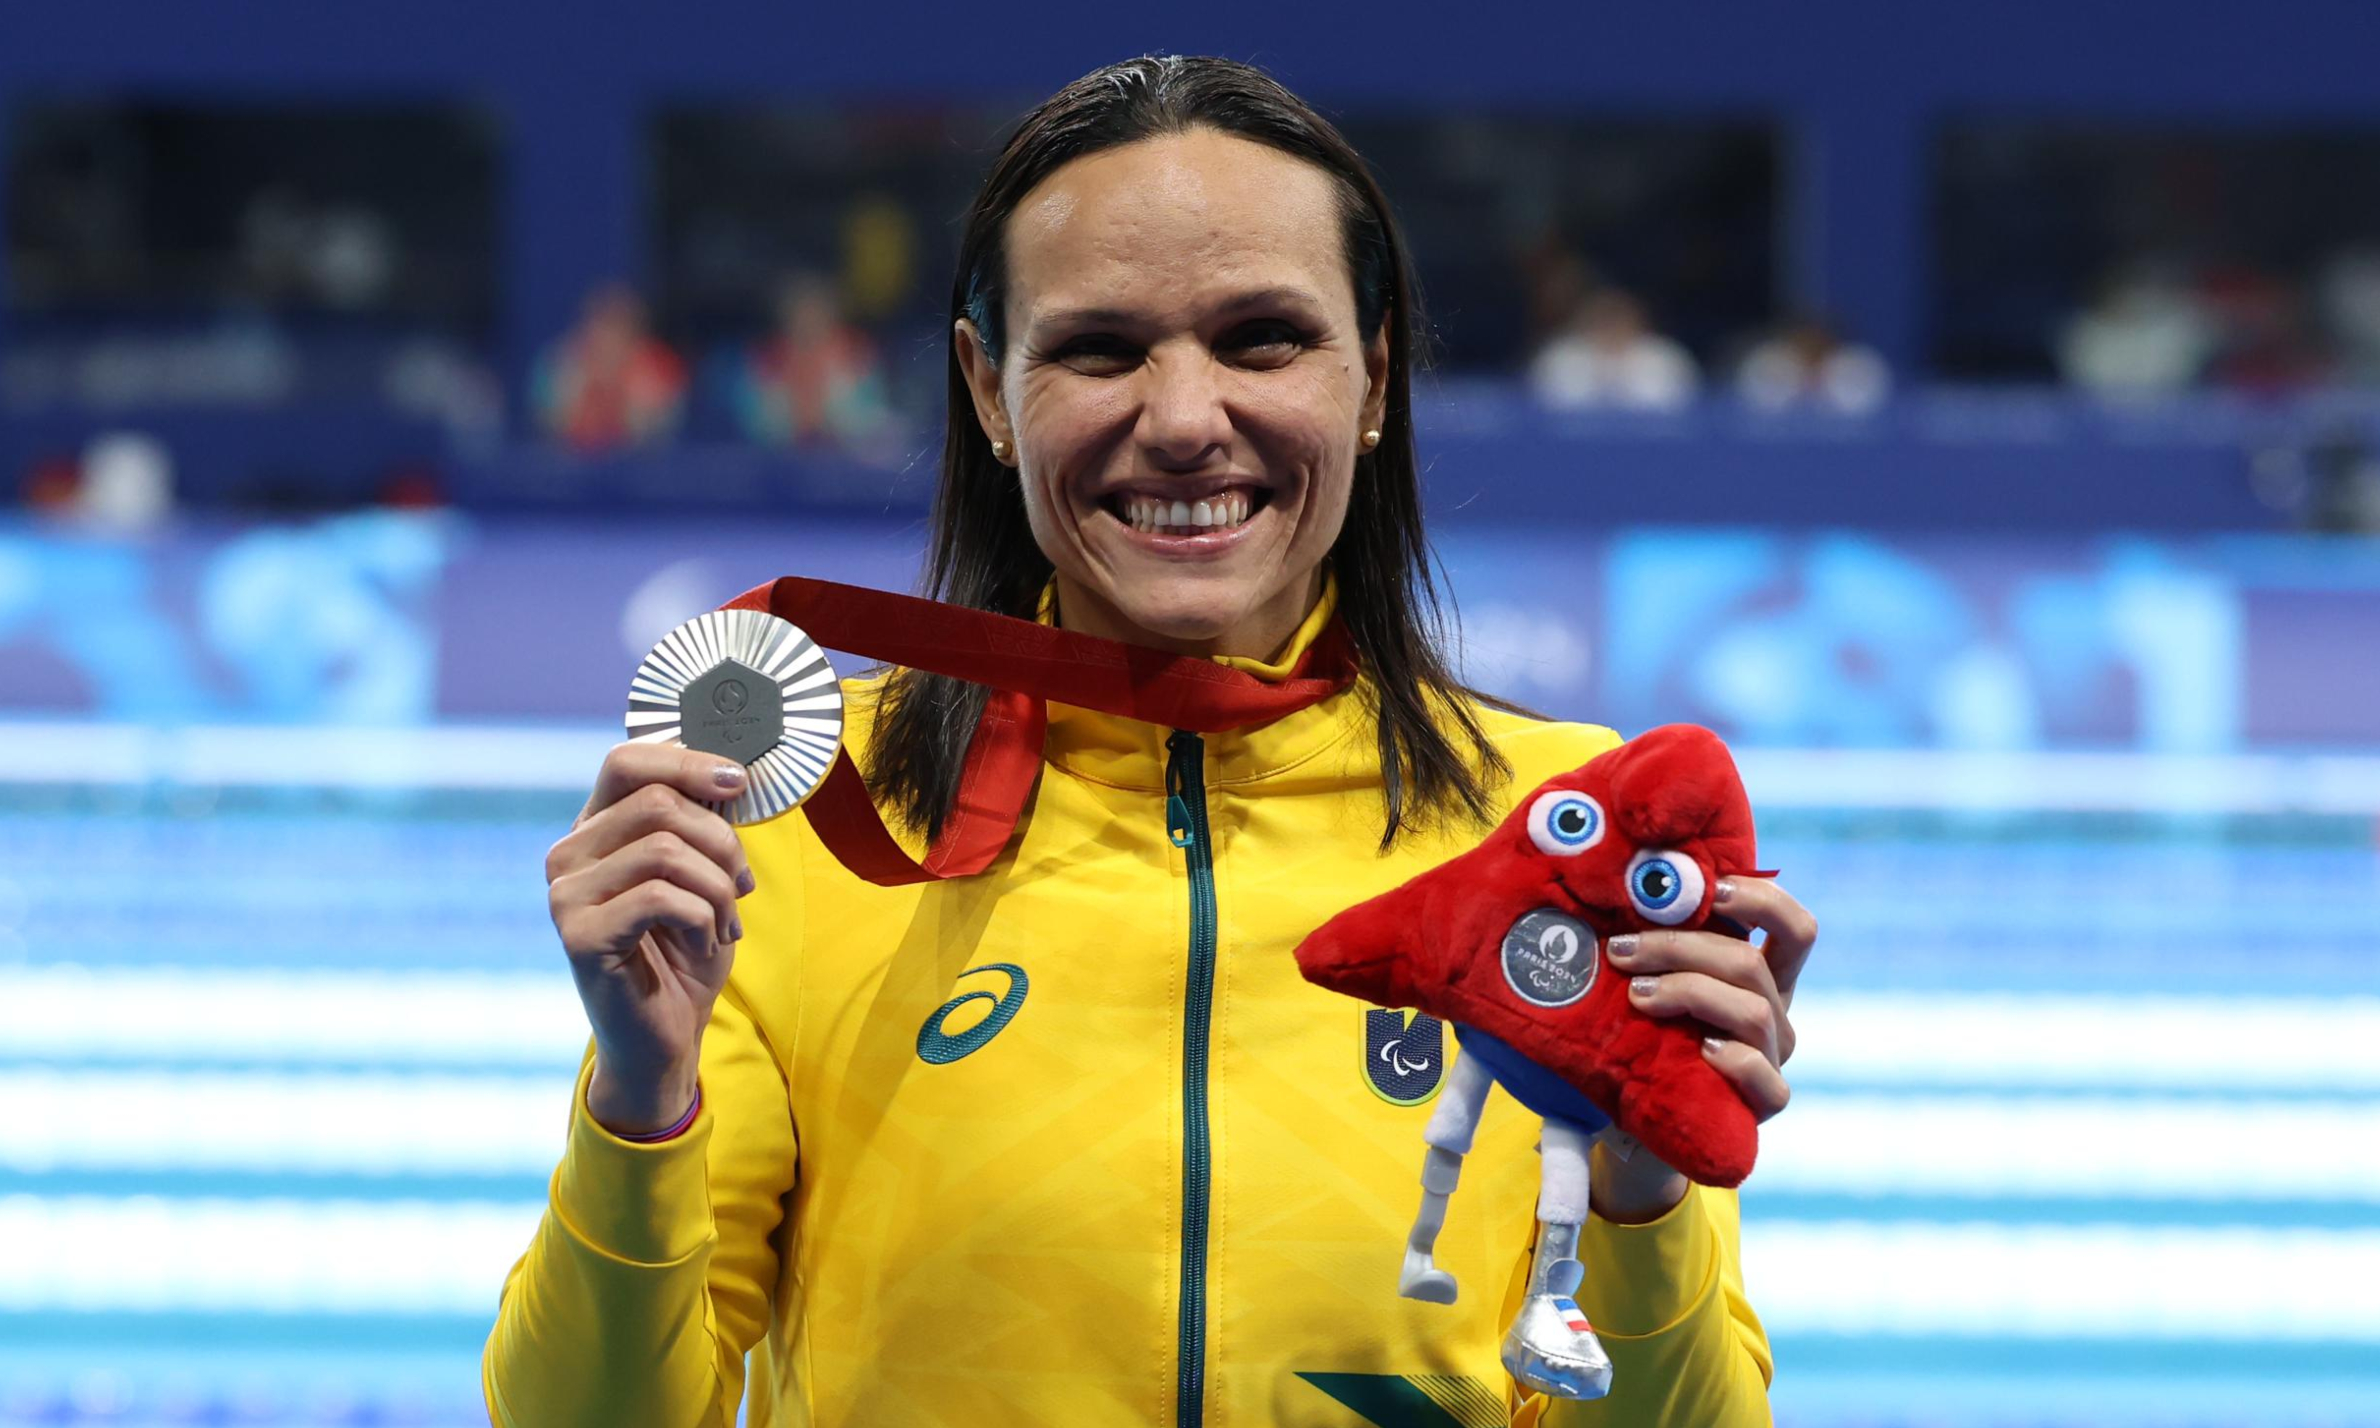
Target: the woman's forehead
pixel 1185 220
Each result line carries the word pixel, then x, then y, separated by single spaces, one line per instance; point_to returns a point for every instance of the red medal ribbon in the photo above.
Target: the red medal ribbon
pixel 1026 665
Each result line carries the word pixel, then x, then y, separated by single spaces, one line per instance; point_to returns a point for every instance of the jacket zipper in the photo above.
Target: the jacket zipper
pixel 1186 825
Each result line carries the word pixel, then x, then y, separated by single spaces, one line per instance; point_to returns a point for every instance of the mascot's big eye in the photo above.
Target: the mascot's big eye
pixel 1564 821
pixel 1665 886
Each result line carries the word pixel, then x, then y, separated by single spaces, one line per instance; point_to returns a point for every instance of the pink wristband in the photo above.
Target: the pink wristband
pixel 671 1132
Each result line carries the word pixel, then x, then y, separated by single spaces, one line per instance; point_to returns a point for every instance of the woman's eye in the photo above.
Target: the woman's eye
pixel 1664 886
pixel 1564 821
pixel 1095 350
pixel 1269 339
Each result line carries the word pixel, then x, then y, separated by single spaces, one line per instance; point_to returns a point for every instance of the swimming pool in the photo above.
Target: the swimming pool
pixel 2087 1124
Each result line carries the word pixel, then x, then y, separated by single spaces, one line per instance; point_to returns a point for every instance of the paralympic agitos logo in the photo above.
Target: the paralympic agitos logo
pixel 1403 1060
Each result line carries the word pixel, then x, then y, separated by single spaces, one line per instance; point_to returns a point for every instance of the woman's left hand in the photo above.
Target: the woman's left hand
pixel 1742 991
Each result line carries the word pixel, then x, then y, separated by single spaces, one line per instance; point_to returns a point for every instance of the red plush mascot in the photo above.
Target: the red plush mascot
pixel 1505 943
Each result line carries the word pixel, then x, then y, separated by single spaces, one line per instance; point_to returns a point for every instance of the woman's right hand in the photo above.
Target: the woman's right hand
pixel 643 891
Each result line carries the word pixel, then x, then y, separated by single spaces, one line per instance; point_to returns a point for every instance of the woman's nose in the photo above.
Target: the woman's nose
pixel 1182 415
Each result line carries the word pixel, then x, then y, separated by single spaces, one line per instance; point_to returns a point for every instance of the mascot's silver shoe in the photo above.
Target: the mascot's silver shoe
pixel 1551 1347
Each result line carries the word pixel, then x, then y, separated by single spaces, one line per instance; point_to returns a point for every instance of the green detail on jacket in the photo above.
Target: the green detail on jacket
pixel 1186 828
pixel 1415 1400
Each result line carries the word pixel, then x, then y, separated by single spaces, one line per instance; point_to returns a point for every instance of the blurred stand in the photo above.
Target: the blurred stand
pixel 298 304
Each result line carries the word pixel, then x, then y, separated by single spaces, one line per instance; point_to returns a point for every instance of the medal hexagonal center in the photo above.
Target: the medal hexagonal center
pixel 732 710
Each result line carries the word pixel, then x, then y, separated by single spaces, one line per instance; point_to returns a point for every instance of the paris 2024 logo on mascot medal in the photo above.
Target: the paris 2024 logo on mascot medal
pixel 1550 958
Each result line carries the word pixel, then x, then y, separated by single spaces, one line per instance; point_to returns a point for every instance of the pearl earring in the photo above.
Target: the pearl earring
pixel 1000 450
pixel 1371 438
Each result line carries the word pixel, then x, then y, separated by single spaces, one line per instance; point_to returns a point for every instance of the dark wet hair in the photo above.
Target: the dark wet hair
pixel 1435 759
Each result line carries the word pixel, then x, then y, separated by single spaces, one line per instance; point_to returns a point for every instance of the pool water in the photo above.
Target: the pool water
pixel 2087 1123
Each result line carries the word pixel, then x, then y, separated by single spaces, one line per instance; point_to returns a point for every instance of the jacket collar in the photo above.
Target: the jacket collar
pixel 1126 753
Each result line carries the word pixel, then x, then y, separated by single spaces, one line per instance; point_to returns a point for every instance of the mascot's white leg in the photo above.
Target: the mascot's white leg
pixel 1451 1127
pixel 1551 1346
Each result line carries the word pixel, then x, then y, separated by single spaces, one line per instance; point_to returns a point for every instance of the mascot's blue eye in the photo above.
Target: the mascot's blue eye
pixel 1564 821
pixel 1666 887
pixel 1657 883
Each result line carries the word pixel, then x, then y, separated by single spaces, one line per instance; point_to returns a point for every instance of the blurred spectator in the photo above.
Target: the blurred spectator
pixel 74 225
pixel 880 257
pixel 2328 481
pixel 292 252
pixel 2345 495
pixel 412 487
pixel 2350 297
pixel 816 379
pixel 2269 347
pixel 1809 364
pixel 1556 282
pixel 447 384
pixel 2145 334
pixel 52 485
pixel 122 482
pixel 1610 357
pixel 609 382
pixel 128 482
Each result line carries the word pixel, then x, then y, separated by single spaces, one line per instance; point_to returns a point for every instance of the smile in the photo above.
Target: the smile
pixel 1155 515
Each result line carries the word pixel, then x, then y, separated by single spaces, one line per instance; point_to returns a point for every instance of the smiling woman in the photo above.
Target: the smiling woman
pixel 1148 1181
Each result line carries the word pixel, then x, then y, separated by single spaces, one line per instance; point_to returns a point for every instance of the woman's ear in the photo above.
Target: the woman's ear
pixel 1375 410
pixel 983 385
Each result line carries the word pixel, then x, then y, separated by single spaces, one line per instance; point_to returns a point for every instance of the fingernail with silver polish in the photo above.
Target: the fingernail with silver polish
pixel 730 776
pixel 1724 891
pixel 1644 986
pixel 1622 947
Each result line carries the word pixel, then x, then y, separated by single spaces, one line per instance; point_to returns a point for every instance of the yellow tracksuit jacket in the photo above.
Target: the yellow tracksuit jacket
pixel 1072 1143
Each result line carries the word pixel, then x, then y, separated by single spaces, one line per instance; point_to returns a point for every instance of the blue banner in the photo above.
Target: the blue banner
pixel 1825 639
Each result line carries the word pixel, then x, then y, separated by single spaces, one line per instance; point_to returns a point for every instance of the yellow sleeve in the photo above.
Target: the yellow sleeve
pixel 650 1276
pixel 1667 1299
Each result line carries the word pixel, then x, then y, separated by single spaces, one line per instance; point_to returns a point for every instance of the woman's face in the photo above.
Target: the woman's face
pixel 1184 392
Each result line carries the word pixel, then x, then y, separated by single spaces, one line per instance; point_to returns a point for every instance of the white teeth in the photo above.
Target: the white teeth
pixel 1158 516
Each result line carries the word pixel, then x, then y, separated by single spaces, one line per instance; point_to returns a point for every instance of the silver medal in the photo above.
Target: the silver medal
pixel 747 686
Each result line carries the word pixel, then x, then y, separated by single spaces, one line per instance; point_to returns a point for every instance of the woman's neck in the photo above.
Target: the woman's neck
pixel 1263 635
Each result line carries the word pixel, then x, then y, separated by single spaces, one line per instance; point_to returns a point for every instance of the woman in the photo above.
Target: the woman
pixel 1069 1141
